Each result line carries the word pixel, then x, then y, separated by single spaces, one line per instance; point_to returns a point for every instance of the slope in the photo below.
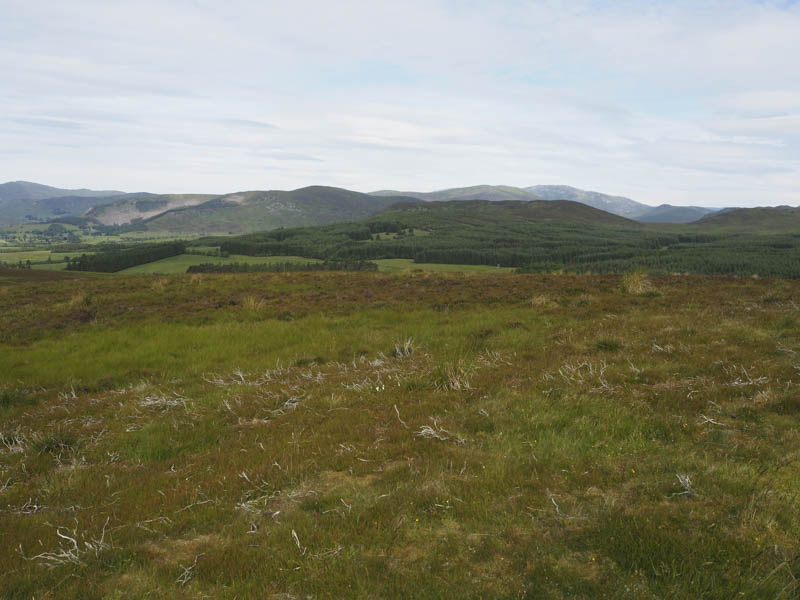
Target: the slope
pixel 483 212
pixel 22 201
pixel 129 207
pixel 666 213
pixel 475 192
pixel 534 236
pixel 261 210
pixel 619 205
pixel 761 219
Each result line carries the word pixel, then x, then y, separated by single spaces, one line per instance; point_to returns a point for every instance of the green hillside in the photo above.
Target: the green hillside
pixel 666 213
pixel 262 210
pixel 762 219
pixel 532 236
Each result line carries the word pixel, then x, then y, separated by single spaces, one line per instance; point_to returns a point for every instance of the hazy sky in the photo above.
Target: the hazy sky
pixel 686 102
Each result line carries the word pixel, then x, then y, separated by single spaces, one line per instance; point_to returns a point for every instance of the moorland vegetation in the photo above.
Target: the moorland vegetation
pixel 323 434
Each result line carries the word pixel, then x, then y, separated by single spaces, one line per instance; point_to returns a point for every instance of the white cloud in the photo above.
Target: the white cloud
pixel 683 102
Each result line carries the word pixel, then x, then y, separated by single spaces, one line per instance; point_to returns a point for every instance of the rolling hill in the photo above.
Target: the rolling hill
pixel 617 205
pixel 477 232
pixel 475 192
pixel 537 236
pixel 22 200
pixel 760 219
pixel 261 210
pixel 484 212
pixel 667 213
pixel 129 207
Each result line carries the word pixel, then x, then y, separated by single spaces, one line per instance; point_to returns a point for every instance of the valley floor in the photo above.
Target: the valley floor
pixel 410 435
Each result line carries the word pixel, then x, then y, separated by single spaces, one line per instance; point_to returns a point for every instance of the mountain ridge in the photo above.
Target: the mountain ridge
pixel 22 201
pixel 254 210
pixel 618 205
pixel 760 218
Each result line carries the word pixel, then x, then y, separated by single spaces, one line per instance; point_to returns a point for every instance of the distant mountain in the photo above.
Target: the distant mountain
pixel 262 210
pixel 761 219
pixel 27 190
pixel 480 213
pixel 475 192
pixel 22 200
pixel 130 207
pixel 666 213
pixel 618 205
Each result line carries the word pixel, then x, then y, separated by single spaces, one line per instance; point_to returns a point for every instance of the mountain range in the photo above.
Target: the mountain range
pixel 246 211
pixel 617 205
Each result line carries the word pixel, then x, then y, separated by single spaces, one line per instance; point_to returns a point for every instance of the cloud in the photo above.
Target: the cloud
pixel 46 123
pixel 680 102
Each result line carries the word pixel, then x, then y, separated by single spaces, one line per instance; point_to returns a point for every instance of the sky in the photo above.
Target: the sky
pixel 685 102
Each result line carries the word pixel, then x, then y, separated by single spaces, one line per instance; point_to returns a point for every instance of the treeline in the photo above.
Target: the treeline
pixel 113 260
pixel 282 267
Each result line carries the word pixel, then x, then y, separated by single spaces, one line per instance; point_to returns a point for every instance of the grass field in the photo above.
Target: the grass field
pixel 34 256
pixel 38 258
pixel 410 435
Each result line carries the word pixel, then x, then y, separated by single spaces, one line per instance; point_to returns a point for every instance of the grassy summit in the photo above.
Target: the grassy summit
pixel 423 435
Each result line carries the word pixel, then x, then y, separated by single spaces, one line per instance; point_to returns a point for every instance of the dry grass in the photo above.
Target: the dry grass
pixel 159 284
pixel 253 304
pixel 78 300
pixel 636 283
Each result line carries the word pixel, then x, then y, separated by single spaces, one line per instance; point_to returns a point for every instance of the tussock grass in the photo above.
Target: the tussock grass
pixel 159 284
pixel 79 299
pixel 379 446
pixel 252 304
pixel 636 283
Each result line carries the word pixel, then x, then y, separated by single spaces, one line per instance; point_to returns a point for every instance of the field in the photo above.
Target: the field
pixel 38 258
pixel 401 435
